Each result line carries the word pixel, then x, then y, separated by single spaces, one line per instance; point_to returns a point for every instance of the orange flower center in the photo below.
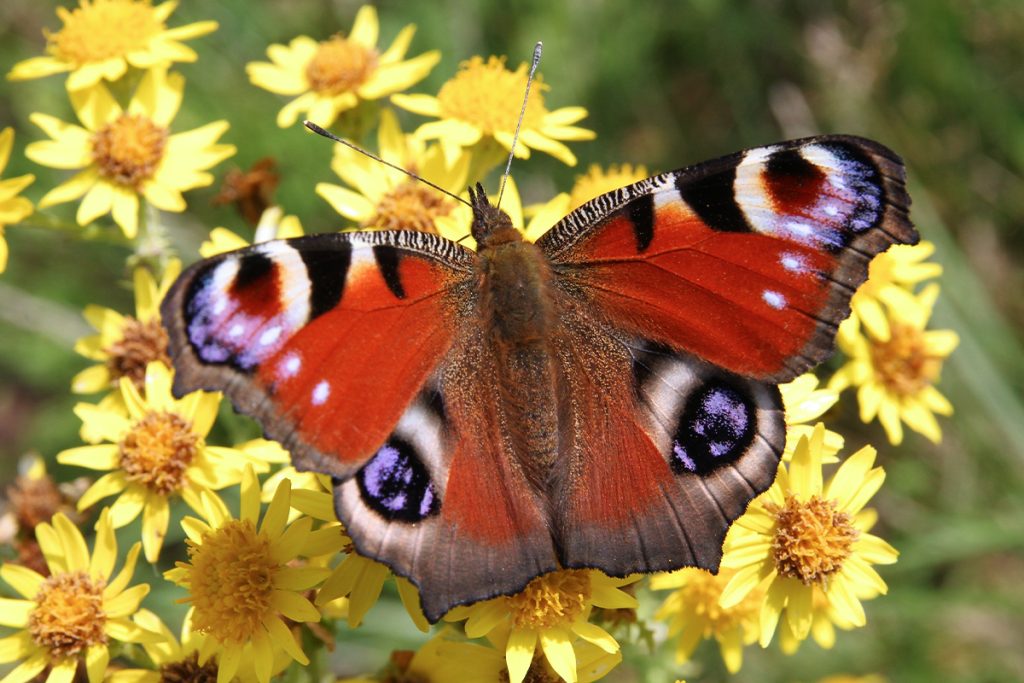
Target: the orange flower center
pixel 489 97
pixel 158 450
pixel 340 65
pixel 69 614
pixel 128 149
pixel 103 29
pixel 140 343
pixel 188 670
pixel 410 206
pixel 903 363
pixel 232 581
pixel 554 599
pixel 812 539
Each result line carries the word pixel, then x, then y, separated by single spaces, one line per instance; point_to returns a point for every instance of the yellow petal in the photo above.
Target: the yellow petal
pixel 91 380
pixel 280 634
pixel 227 663
pixel 519 653
pixel 276 517
pixel 95 107
pixel 155 518
pixel 28 669
pixel 365 27
pixel 104 552
pixel 76 552
pixel 15 647
pixel 424 105
pixel 37 67
pixel 410 597
pixel 558 651
pixel 592 633
pixel 70 190
pixel 63 670
pixel 127 602
pixel 349 204
pixel 293 606
pixel 15 613
pixel 107 485
pixel 97 202
pixel 96 659
pixel 101 457
pixel 128 505
pixel 125 207
pixel 22 579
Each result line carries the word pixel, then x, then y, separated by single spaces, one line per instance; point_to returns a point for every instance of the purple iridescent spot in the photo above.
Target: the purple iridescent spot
pixel 396 484
pixel 716 427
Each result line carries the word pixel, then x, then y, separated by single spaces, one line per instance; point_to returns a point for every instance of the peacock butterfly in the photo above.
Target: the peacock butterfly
pixel 605 397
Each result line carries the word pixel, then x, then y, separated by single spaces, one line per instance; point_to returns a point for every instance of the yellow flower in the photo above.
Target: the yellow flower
pixel 12 207
pixel 482 103
pixel 157 450
pixel 129 154
pixel 895 379
pixel 273 225
pixel 100 39
pixel 243 583
pixel 693 613
pixel 804 535
pixel 333 76
pixel 388 199
pixel 441 659
pixel 73 614
pixel 126 344
pixel 358 579
pixel 892 276
pixel 594 183
pixel 553 610
pixel 805 403
pixel 176 660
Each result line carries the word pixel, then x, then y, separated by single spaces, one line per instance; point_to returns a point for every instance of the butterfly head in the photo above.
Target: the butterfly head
pixel 491 226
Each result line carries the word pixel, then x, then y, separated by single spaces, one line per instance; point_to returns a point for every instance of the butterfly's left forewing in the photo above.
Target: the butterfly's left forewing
pixel 324 339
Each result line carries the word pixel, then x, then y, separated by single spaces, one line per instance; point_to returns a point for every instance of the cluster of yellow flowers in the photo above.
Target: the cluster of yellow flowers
pixel 260 579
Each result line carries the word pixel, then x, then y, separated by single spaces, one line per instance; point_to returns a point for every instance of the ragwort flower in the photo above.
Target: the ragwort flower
pixel 157 450
pixel 335 75
pixel 273 225
pixel 385 198
pixel 72 615
pixel 805 403
pixel 13 208
pixel 595 182
pixel 357 579
pixel 892 276
pixel 693 614
pixel 126 344
pixel 102 38
pixel 243 583
pixel 482 102
pixel 553 611
pixel 896 378
pixel 127 154
pixel 805 535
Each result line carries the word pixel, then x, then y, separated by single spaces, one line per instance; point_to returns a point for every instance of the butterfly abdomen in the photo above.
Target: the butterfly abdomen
pixel 518 314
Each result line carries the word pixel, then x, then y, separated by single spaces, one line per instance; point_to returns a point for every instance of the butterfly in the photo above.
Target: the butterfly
pixel 605 397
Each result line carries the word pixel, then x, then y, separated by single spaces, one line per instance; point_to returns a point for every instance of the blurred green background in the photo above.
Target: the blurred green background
pixel 667 84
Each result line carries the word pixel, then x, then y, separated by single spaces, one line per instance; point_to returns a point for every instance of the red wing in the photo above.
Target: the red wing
pixel 324 339
pixel 660 451
pixel 748 262
pixel 444 502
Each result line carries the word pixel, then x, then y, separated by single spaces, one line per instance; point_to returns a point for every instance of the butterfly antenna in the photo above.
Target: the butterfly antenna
pixel 537 49
pixel 331 136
